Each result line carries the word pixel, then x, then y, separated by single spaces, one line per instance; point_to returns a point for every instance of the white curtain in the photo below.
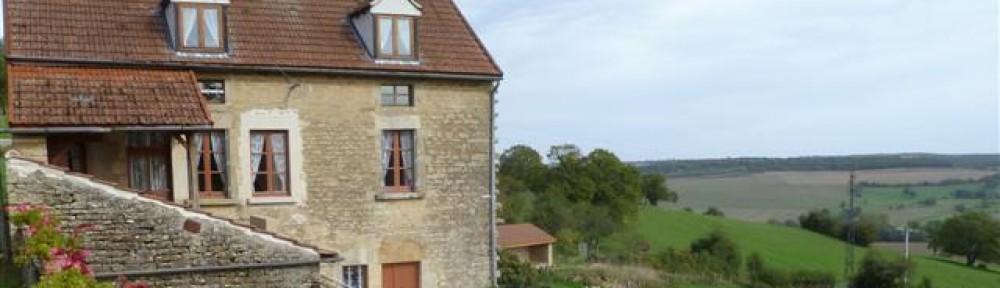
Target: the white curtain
pixel 386 152
pixel 405 25
pixel 218 153
pixel 139 172
pixel 278 141
pixel 189 18
pixel 196 145
pixel 256 150
pixel 407 147
pixel 385 35
pixel 211 28
pixel 159 174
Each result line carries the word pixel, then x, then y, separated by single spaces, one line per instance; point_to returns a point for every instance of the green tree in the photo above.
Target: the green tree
pixel 973 235
pixel 721 249
pixel 654 188
pixel 715 212
pixel 525 165
pixel 878 272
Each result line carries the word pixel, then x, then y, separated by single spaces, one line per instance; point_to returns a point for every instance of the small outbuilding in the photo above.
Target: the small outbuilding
pixel 527 242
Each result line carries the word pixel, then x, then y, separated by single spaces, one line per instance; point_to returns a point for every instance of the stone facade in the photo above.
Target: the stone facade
pixel 337 200
pixel 144 238
pixel 334 126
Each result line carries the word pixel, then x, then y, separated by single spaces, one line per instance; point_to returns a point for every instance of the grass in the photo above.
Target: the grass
pixel 790 248
pixel 786 195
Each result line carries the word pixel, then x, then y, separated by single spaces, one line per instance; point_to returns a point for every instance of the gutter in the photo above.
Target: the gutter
pixel 57 130
pixel 494 270
pixel 248 68
pixel 210 269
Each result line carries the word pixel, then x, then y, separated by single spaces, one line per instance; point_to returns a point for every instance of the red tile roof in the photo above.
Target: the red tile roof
pixel 521 235
pixel 261 33
pixel 46 96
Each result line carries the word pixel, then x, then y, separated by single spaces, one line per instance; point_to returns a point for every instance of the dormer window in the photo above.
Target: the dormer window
pixel 396 37
pixel 388 30
pixel 198 27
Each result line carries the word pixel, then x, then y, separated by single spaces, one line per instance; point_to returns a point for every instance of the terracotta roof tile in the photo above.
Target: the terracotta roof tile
pixel 521 235
pixel 295 33
pixel 78 96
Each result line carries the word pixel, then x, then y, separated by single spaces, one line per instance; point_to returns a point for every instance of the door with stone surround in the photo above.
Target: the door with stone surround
pixel 401 275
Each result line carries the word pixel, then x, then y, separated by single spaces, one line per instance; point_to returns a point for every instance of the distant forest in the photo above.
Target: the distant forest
pixel 728 166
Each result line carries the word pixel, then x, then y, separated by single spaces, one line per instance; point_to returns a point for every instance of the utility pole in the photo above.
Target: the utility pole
pixel 849 220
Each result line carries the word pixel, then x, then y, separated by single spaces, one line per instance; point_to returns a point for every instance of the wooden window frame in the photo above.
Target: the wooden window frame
pixel 200 19
pixel 164 150
pixel 395 55
pixel 399 185
pixel 210 101
pixel 206 174
pixel 267 157
pixel 395 95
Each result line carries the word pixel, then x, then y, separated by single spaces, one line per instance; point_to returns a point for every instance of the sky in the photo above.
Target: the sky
pixel 682 79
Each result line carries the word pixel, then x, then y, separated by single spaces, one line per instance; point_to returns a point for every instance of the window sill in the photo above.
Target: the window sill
pixel 397 196
pixel 272 200
pixel 212 202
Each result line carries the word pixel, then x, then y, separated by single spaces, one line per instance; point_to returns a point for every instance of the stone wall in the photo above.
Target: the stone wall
pixel 141 234
pixel 337 200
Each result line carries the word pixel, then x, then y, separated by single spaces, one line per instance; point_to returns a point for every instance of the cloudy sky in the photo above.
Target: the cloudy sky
pixel 655 79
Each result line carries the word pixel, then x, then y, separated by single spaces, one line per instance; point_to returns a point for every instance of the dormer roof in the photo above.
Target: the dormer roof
pixel 395 7
pixel 265 34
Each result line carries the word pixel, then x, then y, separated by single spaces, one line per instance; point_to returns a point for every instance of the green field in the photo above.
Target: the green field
pixel 789 248
pixel 786 195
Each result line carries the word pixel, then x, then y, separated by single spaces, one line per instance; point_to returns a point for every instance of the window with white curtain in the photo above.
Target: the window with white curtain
pixel 396 37
pixel 398 160
pixel 269 163
pixel 201 27
pixel 356 276
pixel 149 163
pixel 211 164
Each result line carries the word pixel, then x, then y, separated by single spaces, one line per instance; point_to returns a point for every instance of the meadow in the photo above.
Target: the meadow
pixel 786 195
pixel 790 248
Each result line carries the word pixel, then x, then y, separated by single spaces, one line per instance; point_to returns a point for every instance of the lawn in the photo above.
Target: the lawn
pixel 789 248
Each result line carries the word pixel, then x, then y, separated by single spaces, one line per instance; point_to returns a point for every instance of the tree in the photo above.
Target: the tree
pixel 973 235
pixel 715 212
pixel 654 188
pixel 878 272
pixel 820 221
pixel 523 164
pixel 720 250
pixel 755 268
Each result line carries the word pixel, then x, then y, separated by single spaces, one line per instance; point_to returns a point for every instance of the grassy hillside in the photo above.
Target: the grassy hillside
pixel 789 248
pixel 786 195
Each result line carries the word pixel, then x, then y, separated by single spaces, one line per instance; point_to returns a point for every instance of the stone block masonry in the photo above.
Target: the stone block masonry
pixel 160 243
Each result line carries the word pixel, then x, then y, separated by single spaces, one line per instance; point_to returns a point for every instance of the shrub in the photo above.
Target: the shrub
pixel 718 252
pixel 878 272
pixel 712 211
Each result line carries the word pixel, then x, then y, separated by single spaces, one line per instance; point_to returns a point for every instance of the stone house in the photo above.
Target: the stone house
pixel 363 127
pixel 528 243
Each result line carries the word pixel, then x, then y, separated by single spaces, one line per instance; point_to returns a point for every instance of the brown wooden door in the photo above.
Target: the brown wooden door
pixel 401 275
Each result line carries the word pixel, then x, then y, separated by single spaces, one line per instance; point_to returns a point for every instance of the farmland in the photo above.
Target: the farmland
pixel 785 195
pixel 789 248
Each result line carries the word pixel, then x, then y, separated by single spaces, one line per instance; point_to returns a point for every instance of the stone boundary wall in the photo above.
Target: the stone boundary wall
pixel 140 234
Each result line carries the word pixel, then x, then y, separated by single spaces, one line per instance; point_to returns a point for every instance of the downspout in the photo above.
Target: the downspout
pixel 494 273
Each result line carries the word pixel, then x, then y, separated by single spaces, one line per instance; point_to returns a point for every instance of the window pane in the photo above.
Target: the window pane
pixel 388 99
pixel 405 26
pixel 189 22
pixel 140 173
pixel 403 90
pixel 211 27
pixel 388 90
pixel 403 100
pixel 385 35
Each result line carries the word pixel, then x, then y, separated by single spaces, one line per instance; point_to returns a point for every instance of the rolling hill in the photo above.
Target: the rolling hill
pixel 790 248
